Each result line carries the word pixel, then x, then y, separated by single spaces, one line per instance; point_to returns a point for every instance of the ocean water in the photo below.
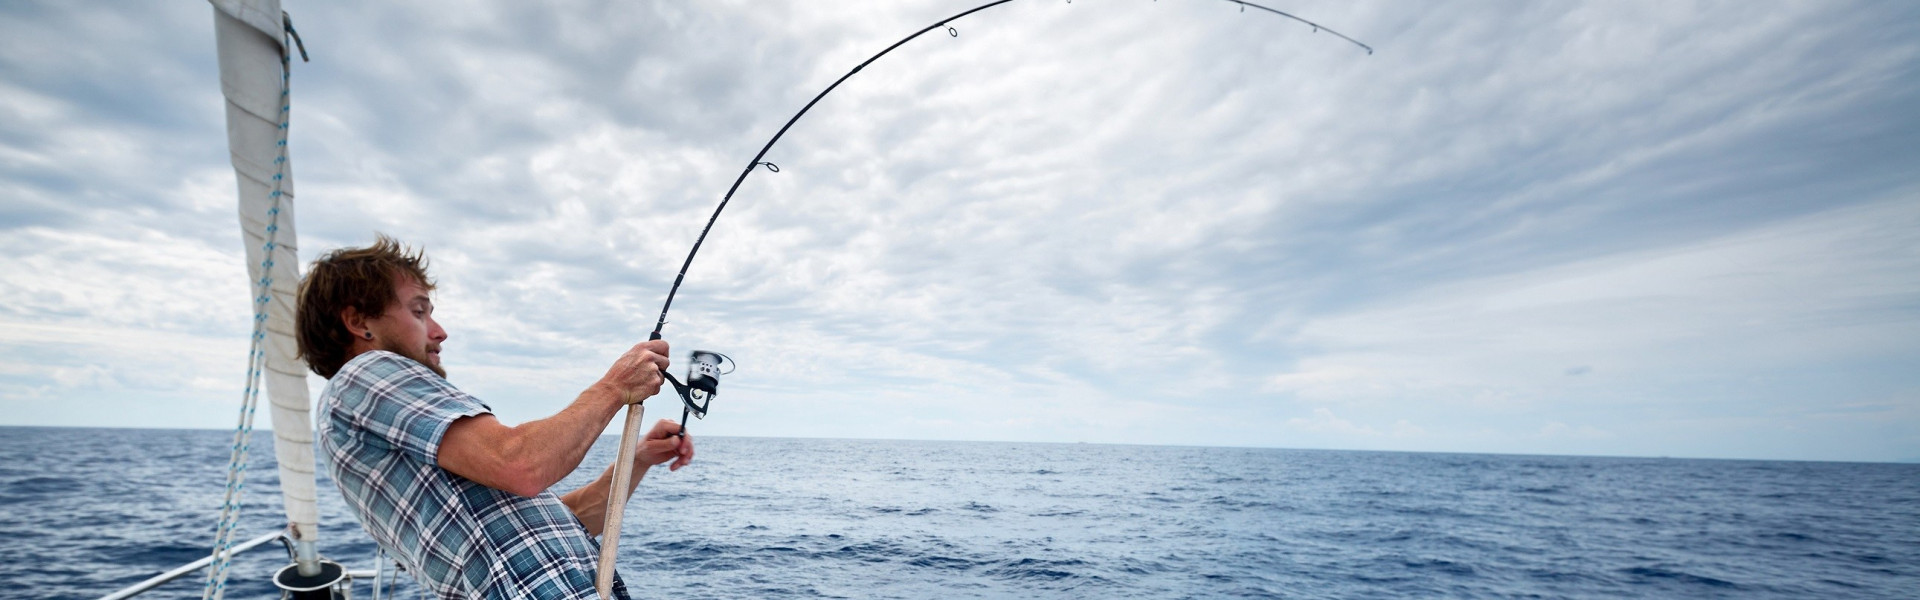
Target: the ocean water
pixel 86 511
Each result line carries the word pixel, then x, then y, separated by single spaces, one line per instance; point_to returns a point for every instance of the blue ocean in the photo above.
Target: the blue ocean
pixel 84 512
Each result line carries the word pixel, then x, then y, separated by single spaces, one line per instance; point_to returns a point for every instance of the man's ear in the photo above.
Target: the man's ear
pixel 355 322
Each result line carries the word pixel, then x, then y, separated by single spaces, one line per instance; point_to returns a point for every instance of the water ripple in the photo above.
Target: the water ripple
pixel 783 518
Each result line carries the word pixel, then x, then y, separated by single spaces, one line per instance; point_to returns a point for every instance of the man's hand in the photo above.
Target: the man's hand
pixel 662 444
pixel 637 375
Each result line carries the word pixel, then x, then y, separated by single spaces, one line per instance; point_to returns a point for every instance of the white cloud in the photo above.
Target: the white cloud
pixel 1820 288
pixel 1155 222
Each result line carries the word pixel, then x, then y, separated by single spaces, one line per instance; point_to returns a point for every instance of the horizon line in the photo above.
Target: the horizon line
pixel 1905 461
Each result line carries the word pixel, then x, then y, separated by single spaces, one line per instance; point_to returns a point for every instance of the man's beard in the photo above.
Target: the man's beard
pixel 419 356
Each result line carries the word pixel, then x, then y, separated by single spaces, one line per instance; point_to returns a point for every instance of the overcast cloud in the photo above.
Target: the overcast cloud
pixel 1646 228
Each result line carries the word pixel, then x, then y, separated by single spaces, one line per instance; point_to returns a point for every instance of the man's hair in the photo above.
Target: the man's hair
pixel 362 278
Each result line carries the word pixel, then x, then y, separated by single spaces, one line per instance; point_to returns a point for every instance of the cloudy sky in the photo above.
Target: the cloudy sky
pixel 1621 228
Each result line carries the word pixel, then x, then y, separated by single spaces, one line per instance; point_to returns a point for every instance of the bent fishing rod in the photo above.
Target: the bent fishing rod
pixel 758 159
pixel 703 374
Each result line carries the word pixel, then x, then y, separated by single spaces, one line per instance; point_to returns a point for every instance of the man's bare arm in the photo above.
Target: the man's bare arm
pixel 529 458
pixel 589 503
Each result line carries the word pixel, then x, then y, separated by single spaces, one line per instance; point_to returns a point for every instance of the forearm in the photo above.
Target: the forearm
pixel 553 447
pixel 661 445
pixel 589 503
pixel 529 458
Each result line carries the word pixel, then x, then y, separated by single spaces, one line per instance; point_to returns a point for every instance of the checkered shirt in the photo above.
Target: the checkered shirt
pixel 381 419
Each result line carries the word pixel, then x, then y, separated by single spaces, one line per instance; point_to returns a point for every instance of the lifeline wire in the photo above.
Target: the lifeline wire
pixel 758 158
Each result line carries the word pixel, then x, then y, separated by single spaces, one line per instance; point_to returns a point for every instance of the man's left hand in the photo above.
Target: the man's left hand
pixel 664 443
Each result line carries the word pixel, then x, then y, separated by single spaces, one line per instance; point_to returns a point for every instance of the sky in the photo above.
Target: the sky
pixel 1645 228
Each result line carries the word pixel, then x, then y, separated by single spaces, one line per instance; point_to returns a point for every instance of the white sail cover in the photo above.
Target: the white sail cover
pixel 248 34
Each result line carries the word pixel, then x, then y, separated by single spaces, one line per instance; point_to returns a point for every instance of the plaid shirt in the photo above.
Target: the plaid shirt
pixel 381 420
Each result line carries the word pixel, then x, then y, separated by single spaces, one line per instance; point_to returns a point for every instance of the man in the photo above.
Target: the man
pixel 457 497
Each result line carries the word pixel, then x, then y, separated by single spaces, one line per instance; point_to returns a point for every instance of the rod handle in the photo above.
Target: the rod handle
pixel 617 500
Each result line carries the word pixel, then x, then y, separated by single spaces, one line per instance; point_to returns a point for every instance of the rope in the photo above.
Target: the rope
pixel 256 357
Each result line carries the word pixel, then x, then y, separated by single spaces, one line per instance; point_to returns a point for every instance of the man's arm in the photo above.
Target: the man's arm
pixel 531 457
pixel 589 503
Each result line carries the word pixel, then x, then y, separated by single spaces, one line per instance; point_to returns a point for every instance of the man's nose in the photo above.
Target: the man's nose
pixel 435 332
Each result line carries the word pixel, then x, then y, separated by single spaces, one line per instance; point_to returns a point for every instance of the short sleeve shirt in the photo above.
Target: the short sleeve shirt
pixel 381 420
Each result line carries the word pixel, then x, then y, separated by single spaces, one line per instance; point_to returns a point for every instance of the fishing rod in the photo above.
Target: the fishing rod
pixel 757 158
pixel 703 372
pixel 703 377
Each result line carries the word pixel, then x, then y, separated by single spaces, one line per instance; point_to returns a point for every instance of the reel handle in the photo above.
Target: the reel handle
pixel 677 386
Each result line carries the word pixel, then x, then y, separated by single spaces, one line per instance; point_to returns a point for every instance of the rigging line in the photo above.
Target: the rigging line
pixel 757 158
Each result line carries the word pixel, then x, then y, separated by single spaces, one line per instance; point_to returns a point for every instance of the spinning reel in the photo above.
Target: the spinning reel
pixel 703 383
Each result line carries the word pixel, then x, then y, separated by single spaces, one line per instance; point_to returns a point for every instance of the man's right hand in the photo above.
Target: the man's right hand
pixel 638 374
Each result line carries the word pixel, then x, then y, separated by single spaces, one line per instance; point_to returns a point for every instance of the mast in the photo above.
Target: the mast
pixel 250 36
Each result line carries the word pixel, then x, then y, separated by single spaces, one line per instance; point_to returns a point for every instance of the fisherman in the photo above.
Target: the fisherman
pixel 460 499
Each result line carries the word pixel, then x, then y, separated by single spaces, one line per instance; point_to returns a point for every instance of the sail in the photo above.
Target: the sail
pixel 251 49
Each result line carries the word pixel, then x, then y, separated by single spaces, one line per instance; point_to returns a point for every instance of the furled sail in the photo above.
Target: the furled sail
pixel 252 48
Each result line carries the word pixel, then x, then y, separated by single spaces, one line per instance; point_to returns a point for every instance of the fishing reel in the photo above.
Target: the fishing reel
pixel 703 383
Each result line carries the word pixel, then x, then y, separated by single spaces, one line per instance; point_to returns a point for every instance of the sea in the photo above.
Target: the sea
pixel 84 512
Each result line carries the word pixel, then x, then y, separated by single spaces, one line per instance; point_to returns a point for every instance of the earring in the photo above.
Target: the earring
pixel 369 335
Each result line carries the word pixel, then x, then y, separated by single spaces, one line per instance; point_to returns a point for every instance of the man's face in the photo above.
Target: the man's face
pixel 408 329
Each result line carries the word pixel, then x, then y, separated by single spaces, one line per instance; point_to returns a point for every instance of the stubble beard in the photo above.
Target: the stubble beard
pixel 418 355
